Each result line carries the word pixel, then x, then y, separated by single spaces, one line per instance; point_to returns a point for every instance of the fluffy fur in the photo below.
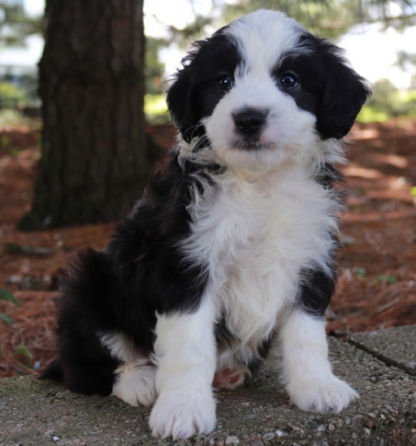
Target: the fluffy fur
pixel 230 253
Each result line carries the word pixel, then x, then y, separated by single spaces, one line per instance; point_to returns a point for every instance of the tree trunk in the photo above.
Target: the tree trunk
pixel 93 163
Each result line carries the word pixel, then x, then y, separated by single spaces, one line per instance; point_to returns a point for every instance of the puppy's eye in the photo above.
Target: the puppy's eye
pixel 289 80
pixel 225 81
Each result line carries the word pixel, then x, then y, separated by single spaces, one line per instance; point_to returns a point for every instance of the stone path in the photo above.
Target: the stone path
pixel 379 365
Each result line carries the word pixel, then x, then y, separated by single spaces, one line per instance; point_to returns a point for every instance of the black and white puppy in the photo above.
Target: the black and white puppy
pixel 231 251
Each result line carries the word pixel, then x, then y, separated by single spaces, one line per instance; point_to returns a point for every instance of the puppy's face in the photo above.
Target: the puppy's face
pixel 263 91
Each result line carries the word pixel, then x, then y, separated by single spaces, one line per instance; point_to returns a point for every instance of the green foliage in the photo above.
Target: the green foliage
pixel 368 114
pixel 12 117
pixel 156 109
pixel 23 350
pixel 154 67
pixel 8 297
pixel 404 58
pixel 386 102
pixel 5 141
pixel 384 279
pixel 6 319
pixel 180 36
pixel 11 96
pixel 332 18
pixel 27 86
pixel 360 273
pixel 327 18
pixel 15 25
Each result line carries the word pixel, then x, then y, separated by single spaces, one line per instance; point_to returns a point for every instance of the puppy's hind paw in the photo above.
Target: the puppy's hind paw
pixel 321 394
pixel 230 378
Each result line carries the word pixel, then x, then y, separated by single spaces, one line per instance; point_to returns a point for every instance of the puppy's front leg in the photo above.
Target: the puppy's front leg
pixel 306 368
pixel 186 358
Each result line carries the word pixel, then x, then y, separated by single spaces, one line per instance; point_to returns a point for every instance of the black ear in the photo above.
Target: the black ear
pixel 343 95
pixel 181 100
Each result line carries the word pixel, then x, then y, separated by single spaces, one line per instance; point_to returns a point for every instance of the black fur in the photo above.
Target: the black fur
pixel 317 286
pixel 316 290
pixel 84 310
pixel 327 87
pixel 196 90
pixel 343 95
pixel 120 289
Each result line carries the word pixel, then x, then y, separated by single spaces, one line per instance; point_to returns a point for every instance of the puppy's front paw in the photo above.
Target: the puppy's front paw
pixel 181 416
pixel 321 393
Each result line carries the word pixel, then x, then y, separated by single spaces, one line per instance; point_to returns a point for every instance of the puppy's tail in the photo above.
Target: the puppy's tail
pixel 53 371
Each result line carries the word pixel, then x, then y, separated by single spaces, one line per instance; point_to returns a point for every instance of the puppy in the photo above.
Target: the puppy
pixel 231 251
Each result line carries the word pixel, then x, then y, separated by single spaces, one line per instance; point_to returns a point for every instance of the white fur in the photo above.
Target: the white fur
pixel 186 357
pixel 306 369
pixel 268 218
pixel 263 36
pixel 120 347
pixel 290 132
pixel 136 384
pixel 256 235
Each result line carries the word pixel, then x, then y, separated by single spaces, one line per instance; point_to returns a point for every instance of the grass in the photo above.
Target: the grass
pixel 368 114
pixel 10 117
pixel 156 110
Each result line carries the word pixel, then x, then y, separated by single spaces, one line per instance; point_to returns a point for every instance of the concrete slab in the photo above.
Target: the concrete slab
pixel 395 346
pixel 35 413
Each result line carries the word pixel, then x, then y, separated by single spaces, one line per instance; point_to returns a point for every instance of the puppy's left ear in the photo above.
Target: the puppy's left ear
pixel 181 101
pixel 343 94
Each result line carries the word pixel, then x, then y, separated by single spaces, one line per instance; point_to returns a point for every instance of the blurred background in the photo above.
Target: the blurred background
pixel 83 119
pixel 378 36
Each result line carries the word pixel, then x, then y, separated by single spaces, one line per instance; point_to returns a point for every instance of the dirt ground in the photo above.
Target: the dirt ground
pixel 377 263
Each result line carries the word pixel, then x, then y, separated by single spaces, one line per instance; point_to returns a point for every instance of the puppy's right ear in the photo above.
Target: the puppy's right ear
pixel 181 99
pixel 344 93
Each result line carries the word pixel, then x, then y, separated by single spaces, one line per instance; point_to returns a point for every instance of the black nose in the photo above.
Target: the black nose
pixel 249 121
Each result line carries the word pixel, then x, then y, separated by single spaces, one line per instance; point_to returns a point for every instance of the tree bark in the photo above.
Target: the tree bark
pixel 93 162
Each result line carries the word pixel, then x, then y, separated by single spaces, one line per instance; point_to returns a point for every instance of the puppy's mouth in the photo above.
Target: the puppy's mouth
pixel 252 143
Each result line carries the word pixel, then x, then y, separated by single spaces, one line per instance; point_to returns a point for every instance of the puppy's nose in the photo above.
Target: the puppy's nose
pixel 249 121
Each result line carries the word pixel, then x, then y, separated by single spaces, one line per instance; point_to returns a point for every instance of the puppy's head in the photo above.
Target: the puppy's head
pixel 263 90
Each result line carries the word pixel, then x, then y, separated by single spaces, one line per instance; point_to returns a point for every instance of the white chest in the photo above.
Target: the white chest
pixel 255 239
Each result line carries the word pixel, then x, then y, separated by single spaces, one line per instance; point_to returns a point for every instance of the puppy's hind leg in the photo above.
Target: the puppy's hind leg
pixel 185 352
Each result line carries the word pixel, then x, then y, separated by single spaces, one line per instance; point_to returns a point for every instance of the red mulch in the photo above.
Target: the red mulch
pixel 377 284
